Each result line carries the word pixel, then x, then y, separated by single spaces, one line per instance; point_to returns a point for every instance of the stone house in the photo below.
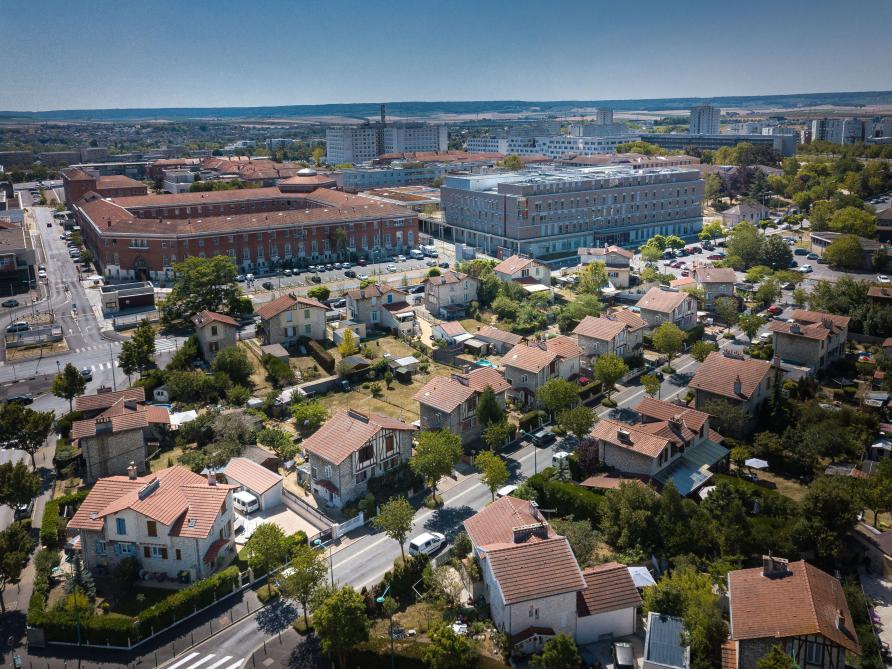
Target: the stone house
pixel 170 522
pixel 382 307
pixel 741 381
pixel 214 332
pixel 351 448
pixel 523 270
pixel 530 365
pixel 814 339
pixel 795 605
pixel 658 306
pixel 617 261
pixel 451 403
pixel 448 295
pixel 745 211
pixel 608 334
pixel 286 319
pixel 715 282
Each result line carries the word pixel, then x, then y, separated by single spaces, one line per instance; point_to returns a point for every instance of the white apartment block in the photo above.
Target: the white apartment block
pixel 553 146
pixel 705 120
pixel 351 144
pixel 363 143
pixel 415 137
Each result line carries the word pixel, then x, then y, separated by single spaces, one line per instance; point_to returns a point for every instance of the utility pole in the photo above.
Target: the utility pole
pixel 111 357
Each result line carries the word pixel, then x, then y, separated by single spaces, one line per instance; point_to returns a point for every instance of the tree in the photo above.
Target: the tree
pixel 488 409
pixel 234 363
pixel 776 658
pixel 278 442
pixel 578 420
pixel 25 428
pixel 493 471
pixel 495 435
pixel 712 191
pixel 726 418
pixel 488 288
pixel 137 353
pixel 712 229
pixel 610 368
pixel 128 359
pixel 185 356
pixel 745 245
pixel 674 242
pixel 592 278
pixel 80 584
pixel 18 484
pixel 650 254
pixel 668 340
pixel 267 549
pixel 348 345
pixel 627 517
pixel 571 313
pixel 845 252
pixel 202 283
pixel 750 324
pixel 559 652
pixel 69 384
pixel 341 622
pixel 739 455
pixel 318 153
pixel 15 544
pixel 319 292
pixel 776 253
pixel 800 296
pixel 651 384
pixel 701 350
pixel 308 416
pixel 448 650
pixel 557 394
pixel 854 221
pixel 829 512
pixel 436 454
pixel 395 520
pixel 307 574
pixel 505 308
pixel 511 162
pixel 579 533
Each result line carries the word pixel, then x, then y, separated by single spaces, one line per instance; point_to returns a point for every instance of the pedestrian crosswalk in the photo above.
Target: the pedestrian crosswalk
pixel 98 367
pixel 197 660
pixel 165 345
pixel 96 347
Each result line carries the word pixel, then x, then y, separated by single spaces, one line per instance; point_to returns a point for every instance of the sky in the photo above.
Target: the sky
pixel 61 54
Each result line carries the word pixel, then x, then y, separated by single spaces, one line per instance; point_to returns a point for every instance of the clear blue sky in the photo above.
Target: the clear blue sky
pixel 63 54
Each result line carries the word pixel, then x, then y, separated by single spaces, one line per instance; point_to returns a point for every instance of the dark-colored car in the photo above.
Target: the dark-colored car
pixel 10 303
pixel 315 278
pixel 87 373
pixel 267 285
pixel 444 265
pixel 543 437
pixel 20 399
pixel 362 262
pixel 350 274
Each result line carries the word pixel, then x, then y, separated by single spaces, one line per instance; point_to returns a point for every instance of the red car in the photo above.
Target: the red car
pixel 774 310
pixel 715 256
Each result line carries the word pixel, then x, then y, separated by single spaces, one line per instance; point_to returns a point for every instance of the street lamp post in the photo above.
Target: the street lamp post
pixel 320 544
pixel 382 600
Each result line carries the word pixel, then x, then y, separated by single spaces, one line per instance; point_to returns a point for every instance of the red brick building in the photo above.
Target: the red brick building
pixel 139 238
pixel 78 182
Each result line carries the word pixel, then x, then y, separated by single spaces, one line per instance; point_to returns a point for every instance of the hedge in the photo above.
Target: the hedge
pixel 52 526
pixel 589 389
pixel 531 420
pixel 112 628
pixel 566 498
pixel 188 600
pixel 325 359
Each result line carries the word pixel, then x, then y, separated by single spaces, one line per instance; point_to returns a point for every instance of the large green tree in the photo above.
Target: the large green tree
pixel 448 650
pixel 395 520
pixel 750 324
pixel 559 652
pixel 24 428
pixel 308 416
pixel 341 622
pixel 845 252
pixel 557 394
pixel 488 409
pixel 592 278
pixel 202 283
pixel 267 549
pixel 306 576
pixel 278 441
pixel 745 244
pixel 668 339
pixel 18 484
pixel 578 420
pixel 435 455
pixel 69 384
pixel 15 545
pixel 493 471
pixel 234 362
pixel 854 221
pixel 609 368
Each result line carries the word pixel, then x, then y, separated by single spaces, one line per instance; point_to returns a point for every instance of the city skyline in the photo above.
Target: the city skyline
pixel 276 53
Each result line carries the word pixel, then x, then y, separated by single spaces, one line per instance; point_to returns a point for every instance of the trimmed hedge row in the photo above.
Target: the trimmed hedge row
pixel 113 628
pixel 566 498
pixel 184 602
pixel 531 420
pixel 320 355
pixel 52 528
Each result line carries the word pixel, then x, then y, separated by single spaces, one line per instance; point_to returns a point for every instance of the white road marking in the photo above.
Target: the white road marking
pixel 219 662
pixel 183 661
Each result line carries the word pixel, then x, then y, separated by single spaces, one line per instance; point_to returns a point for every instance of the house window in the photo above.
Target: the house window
pixel 178 555
pixel 101 547
pixel 814 653
pixel 152 528
pixel 365 455
pixel 155 552
pixel 289 316
pixel 307 314
pixel 389 444
pixel 121 525
pixel 125 549
pixel 308 329
pixel 213 330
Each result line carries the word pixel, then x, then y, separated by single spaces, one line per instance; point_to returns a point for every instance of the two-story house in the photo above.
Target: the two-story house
pixel 119 435
pixel 791 604
pixel 450 403
pixel 813 339
pixel 715 282
pixel 448 295
pixel 746 382
pixel 497 340
pixel 608 334
pixel 286 319
pixel 171 521
pixel 351 448
pixel 617 261
pixel 530 365
pixel 382 307
pixel 533 583
pixel 659 305
pixel 214 332
pixel 524 270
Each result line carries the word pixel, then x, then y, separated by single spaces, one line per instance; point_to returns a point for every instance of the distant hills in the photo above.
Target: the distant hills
pixel 479 107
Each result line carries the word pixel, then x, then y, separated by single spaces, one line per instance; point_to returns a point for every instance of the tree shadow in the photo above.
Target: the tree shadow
pixel 277 616
pixel 448 520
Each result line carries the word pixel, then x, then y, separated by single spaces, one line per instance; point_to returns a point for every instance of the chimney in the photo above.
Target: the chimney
pixel 840 619
pixel 774 567
pixel 624 436
pixel 104 425
pixel 524 532
pixel 211 479
pixel 738 386
pixel 130 404
pixel 675 423
pixel 795 329
pixel 131 471
pixel 460 378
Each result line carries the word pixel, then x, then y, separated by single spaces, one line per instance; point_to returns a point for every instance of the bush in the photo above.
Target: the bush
pixel 322 357
pixel 279 371
pixel 53 526
pixel 184 602
pixel 531 420
pixel 565 498
pixel 63 425
pixel 589 389
pixel 694 334
pixel 267 594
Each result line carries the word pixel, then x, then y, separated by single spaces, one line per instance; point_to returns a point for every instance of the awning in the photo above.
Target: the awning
pixel 756 463
pixel 691 470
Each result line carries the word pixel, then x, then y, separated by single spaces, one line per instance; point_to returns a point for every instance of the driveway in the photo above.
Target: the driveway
pixel 879 591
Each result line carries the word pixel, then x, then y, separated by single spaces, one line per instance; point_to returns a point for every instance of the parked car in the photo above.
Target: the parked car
pixel 346 265
pixel 391 267
pixel 812 256
pixel 18 326
pixel 240 278
pixel 401 258
pixel 20 399
pixel 800 252
pixel 287 272
pixel 362 262
pixel 430 262
pixel 41 274
pixel 350 274
pixel 10 303
pixel 805 269
pixel 427 543
pixel 774 309
pixel 23 511
pixel 882 278
pixel 543 437
pixel 504 491
pixel 444 265
pixel 87 373
pixel 715 256
pixel 267 285
pixel 329 267
pixel 316 279
pixel 363 277
pixel 337 265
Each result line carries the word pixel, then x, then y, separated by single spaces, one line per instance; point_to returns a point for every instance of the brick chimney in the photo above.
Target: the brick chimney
pixel 738 386
pixel 131 471
pixel 104 425
pixel 775 567
pixel 211 478
pixel 524 532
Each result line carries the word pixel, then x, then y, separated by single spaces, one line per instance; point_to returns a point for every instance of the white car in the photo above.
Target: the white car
pixel 249 277
pixel 401 258
pixel 41 274
pixel 765 337
pixel 427 543
pixel 362 277
pixel 882 278
pixel 391 267
pixel 805 269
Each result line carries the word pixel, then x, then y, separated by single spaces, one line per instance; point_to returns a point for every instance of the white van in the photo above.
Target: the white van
pixel 416 254
pixel 506 490
pixel 426 543
pixel 559 459
pixel 245 503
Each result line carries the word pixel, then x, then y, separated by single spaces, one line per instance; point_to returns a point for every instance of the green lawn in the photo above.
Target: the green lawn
pixel 128 605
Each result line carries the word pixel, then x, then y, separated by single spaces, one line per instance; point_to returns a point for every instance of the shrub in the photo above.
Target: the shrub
pixel 53 526
pixel 531 420
pixel 63 425
pixel 279 371
pixel 268 594
pixel 694 334
pixel 325 359
pixel 184 602
pixel 566 498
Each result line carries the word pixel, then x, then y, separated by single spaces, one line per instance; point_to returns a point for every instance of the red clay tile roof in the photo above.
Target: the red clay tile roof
pixel 600 328
pixel 880 292
pixel 661 301
pixel 610 480
pixel 346 432
pixel 661 410
pixel 447 277
pixel 494 523
pixel 805 601
pixel 284 303
pixel 76 174
pixel 253 476
pixel 205 317
pixel 482 377
pixel 512 265
pixel 605 250
pixel 105 400
pixel 535 356
pixel 717 375
pixel 681 282
pixel 214 550
pixel 805 316
pixel 118 181
pixel 715 275
pixel 535 570
pixel 815 331
pixel 630 318
pixel 530 632
pixel 452 328
pixel 639 440
pixel 122 419
pixel 375 290
pixel 565 347
pixel 494 333
pixel 444 394
pixel 609 587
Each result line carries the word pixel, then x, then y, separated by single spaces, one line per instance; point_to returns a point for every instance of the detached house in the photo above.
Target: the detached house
pixel 534 586
pixel 499 341
pixel 383 308
pixel 715 282
pixel 118 435
pixel 741 381
pixel 351 448
pixel 286 319
pixel 532 274
pixel 448 295
pixel 617 261
pixel 170 522
pixel 795 605
pixel 814 339
pixel 530 365
pixel 608 334
pixel 659 306
pixel 451 403
pixel 214 332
